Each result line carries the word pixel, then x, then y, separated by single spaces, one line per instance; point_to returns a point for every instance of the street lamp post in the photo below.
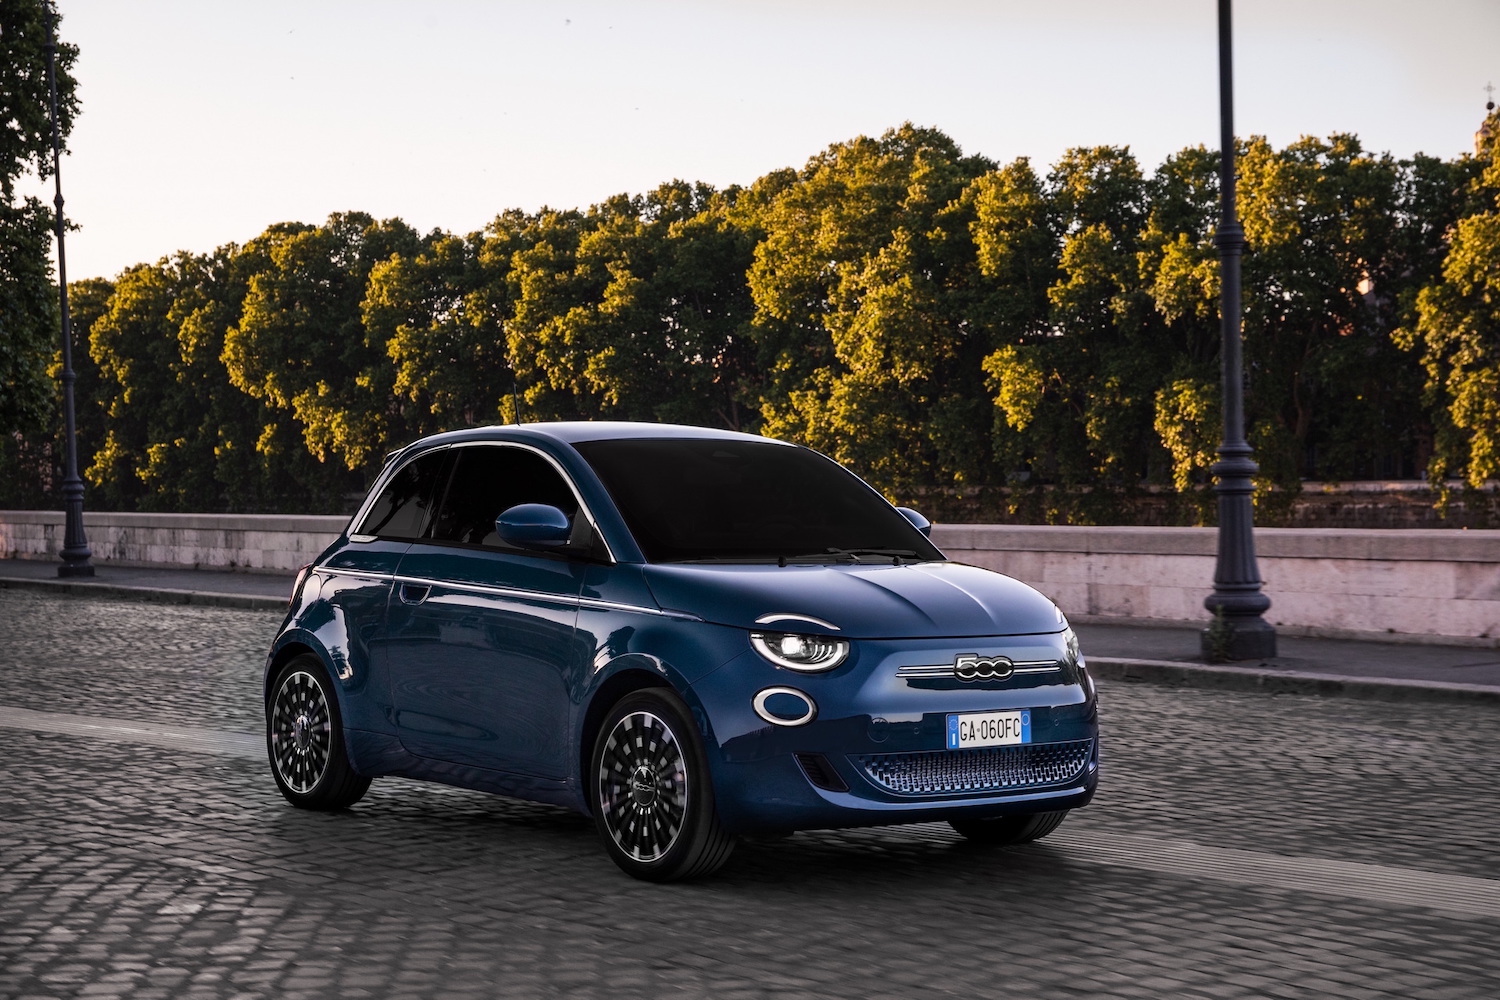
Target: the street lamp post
pixel 1239 631
pixel 76 555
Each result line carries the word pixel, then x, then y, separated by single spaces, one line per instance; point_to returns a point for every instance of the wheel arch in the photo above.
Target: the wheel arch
pixel 614 687
pixel 289 649
pixel 623 681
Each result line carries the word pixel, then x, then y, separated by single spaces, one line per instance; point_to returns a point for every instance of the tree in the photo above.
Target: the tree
pixel 301 343
pixel 1457 331
pixel 1320 219
pixel 28 306
pixel 1074 385
pixel 28 317
pixel 637 311
pixel 1179 269
pixel 442 332
pixel 863 316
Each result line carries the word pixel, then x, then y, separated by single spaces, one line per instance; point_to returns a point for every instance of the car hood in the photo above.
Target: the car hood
pixel 918 600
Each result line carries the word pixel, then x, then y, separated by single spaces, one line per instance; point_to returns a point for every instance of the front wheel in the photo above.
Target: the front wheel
pixel 305 739
pixel 1009 829
pixel 652 798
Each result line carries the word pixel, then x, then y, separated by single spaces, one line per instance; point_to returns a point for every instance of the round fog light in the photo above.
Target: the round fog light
pixel 783 706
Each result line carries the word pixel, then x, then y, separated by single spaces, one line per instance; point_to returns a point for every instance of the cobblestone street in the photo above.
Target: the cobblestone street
pixel 1241 845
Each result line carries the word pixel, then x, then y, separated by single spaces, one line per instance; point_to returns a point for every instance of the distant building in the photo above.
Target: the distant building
pixel 1487 130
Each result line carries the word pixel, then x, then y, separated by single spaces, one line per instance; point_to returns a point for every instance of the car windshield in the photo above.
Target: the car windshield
pixel 706 500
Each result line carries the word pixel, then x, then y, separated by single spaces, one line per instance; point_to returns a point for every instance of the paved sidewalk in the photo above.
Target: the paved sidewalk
pixel 1405 670
pixel 1158 652
pixel 222 588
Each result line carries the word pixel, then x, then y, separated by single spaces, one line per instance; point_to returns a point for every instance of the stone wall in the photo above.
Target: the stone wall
pixel 255 542
pixel 1352 582
pixel 1347 581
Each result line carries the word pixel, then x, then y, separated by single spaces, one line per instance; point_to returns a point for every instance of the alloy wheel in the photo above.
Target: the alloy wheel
pixel 300 732
pixel 643 786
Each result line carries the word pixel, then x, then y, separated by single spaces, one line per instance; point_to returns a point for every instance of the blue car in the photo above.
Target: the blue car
pixel 690 635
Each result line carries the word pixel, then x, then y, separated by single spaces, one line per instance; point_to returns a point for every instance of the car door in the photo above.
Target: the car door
pixel 481 637
pixel 357 578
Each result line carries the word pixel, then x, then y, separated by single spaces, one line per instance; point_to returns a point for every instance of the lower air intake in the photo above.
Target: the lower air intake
pixel 820 772
pixel 990 769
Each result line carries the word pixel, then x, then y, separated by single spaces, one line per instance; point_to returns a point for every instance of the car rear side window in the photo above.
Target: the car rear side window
pixel 492 479
pixel 401 509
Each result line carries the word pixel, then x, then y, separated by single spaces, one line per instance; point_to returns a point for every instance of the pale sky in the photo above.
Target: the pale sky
pixel 205 121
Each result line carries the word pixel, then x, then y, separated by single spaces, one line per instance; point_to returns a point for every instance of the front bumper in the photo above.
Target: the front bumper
pixel 876 751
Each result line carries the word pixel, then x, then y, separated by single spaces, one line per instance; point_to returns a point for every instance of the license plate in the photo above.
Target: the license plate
pixel 988 729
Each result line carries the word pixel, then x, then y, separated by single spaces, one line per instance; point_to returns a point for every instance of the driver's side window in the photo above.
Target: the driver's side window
pixel 489 479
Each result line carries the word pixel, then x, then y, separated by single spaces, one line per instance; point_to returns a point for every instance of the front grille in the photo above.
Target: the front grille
pixel 989 769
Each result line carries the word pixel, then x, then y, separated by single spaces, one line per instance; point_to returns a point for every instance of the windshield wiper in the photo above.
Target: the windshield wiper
pixel 854 554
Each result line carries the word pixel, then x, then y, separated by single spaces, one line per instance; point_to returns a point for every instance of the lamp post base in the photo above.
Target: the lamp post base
pixel 1244 639
pixel 75 569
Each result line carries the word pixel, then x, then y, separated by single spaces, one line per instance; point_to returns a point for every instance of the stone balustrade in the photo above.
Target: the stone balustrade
pixel 1390 583
pixel 1321 581
pixel 273 543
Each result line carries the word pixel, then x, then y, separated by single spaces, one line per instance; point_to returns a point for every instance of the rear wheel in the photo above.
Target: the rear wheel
pixel 652 798
pixel 305 739
pixel 1009 829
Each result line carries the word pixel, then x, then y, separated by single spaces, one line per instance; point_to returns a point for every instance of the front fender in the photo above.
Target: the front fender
pixel 632 651
pixel 322 631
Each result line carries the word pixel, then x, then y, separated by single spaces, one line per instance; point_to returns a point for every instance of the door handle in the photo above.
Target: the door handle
pixel 414 593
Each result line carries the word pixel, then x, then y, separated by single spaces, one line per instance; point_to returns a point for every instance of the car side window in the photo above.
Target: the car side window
pixel 401 510
pixel 489 480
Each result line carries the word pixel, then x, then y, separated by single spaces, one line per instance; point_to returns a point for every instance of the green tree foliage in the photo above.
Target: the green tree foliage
pixel 1320 220
pixel 1456 328
pixel 177 435
pixel 1075 377
pixel 301 343
pixel 864 307
pixel 939 322
pixel 441 314
pixel 28 317
pixel 637 310
pixel 1178 266
pixel 28 294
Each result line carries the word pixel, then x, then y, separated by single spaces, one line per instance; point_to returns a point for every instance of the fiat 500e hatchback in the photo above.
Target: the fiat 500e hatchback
pixel 689 635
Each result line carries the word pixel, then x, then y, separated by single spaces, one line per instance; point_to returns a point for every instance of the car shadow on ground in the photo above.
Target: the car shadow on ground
pixel 448 834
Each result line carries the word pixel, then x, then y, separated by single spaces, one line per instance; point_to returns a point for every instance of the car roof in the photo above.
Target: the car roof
pixel 574 431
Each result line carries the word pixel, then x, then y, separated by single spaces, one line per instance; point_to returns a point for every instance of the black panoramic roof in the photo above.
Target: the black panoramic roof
pixel 572 431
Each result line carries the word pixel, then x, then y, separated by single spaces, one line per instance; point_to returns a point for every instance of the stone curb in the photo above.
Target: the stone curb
pixel 157 595
pixel 1229 678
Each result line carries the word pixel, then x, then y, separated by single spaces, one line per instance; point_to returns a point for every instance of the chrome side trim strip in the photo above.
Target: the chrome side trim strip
pixel 358 574
pixel 597 605
pixel 566 600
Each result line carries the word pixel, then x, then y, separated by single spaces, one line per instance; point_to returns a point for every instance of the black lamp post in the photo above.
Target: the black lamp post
pixel 1239 632
pixel 76 555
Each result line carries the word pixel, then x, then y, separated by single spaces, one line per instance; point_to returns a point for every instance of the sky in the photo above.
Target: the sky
pixel 205 121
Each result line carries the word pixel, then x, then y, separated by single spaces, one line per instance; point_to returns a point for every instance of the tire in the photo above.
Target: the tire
pixel 1009 829
pixel 305 739
pixel 650 791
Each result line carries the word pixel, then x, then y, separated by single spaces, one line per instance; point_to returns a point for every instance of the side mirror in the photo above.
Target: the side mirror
pixel 917 520
pixel 533 526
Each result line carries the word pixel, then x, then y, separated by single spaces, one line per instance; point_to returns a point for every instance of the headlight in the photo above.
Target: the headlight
pixel 1074 653
pixel 807 653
